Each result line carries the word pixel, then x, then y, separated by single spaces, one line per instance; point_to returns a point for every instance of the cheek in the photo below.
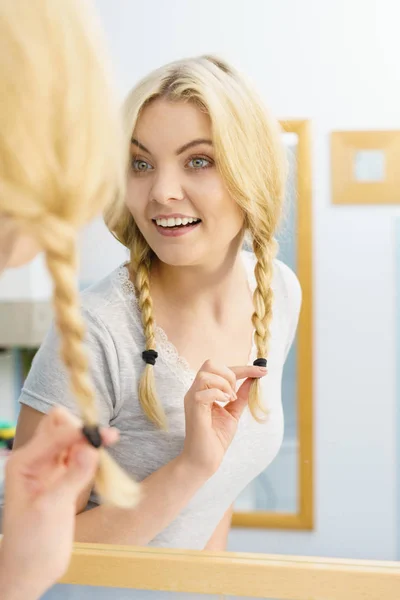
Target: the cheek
pixel 210 196
pixel 235 210
pixel 223 204
pixel 136 199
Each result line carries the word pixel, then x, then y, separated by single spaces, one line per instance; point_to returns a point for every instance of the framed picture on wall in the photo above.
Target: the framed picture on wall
pixel 365 167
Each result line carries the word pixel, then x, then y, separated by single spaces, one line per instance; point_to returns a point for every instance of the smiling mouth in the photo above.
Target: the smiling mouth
pixel 176 222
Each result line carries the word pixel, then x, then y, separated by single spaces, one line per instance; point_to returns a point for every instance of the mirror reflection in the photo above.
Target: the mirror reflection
pixel 229 322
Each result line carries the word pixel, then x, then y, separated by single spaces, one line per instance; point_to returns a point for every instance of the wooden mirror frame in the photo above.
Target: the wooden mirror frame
pixel 232 574
pixel 303 518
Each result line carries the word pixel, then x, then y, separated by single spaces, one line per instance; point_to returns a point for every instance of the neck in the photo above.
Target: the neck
pixel 209 287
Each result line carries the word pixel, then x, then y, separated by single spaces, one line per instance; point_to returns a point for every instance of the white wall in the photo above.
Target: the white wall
pixel 337 63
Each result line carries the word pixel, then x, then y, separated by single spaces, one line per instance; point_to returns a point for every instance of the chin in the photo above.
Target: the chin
pixel 179 255
pixel 178 258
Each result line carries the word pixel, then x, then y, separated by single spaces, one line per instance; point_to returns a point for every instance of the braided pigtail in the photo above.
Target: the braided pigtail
pixel 112 484
pixel 140 273
pixel 262 316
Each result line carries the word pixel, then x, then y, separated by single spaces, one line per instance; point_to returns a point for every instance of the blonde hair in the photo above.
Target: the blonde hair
pixel 251 159
pixel 60 164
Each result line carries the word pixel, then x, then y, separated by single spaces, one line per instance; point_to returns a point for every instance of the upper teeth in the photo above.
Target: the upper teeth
pixel 172 222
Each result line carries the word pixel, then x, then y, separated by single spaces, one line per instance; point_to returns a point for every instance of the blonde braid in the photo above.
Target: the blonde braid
pixel 140 274
pixel 262 316
pixel 59 242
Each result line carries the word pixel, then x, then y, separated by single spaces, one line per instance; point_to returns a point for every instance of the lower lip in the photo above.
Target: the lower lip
pixel 179 231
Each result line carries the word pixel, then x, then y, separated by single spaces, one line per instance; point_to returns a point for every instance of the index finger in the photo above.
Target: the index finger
pixel 249 372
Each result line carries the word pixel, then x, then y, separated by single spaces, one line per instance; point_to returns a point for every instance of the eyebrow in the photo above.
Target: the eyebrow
pixel 193 143
pixel 139 145
pixel 180 150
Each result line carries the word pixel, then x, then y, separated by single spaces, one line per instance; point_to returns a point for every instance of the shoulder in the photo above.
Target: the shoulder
pixel 112 318
pixel 110 301
pixel 102 293
pixel 287 285
pixel 288 295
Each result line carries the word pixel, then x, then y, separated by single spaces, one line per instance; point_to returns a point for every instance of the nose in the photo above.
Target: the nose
pixel 166 186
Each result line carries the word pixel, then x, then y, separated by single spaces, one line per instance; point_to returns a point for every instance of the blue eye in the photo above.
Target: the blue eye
pixel 141 166
pixel 199 163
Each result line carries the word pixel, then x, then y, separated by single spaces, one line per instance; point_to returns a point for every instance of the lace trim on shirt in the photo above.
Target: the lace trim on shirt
pixel 168 353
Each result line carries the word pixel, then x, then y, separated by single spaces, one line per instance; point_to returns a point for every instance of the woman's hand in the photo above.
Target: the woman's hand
pixel 43 481
pixel 210 427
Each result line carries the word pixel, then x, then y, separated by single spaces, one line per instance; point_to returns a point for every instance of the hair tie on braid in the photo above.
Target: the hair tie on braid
pixel 260 362
pixel 93 435
pixel 149 357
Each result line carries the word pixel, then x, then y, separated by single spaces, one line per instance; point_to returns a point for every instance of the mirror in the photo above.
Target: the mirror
pixel 333 489
pixel 282 495
pixel 369 165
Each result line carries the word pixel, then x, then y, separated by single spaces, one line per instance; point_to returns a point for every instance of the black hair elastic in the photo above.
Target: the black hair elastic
pixel 93 435
pixel 260 362
pixel 149 357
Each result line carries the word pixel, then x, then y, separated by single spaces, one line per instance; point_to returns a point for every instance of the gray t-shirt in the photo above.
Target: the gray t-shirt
pixel 115 342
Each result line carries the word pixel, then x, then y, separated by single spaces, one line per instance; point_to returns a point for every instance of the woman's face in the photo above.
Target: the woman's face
pixel 175 192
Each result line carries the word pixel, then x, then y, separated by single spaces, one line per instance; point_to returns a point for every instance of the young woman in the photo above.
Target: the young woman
pixel 56 171
pixel 206 169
